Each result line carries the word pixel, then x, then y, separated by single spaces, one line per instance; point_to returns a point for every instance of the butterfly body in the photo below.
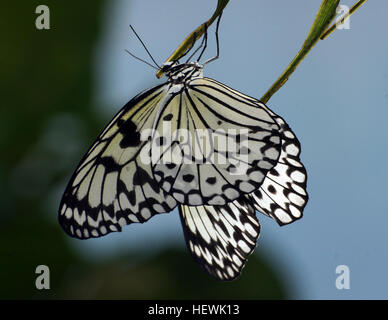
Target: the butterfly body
pixel 180 73
pixel 194 143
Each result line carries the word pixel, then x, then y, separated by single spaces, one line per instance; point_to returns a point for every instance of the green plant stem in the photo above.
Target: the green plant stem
pixel 195 35
pixel 343 19
pixel 325 15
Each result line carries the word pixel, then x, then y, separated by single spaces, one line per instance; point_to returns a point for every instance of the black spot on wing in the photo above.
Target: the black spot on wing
pixel 188 177
pixel 211 180
pixel 161 141
pixel 141 177
pixel 168 117
pixel 271 189
pixel 132 197
pixel 110 164
pixel 170 165
pixel 131 138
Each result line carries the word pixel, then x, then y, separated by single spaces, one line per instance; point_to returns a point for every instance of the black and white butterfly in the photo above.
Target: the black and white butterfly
pixel 196 144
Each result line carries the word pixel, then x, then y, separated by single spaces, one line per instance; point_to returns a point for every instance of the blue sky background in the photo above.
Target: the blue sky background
pixel 336 102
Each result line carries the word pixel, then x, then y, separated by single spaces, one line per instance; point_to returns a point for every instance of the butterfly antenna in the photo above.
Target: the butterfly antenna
pixel 144 46
pixel 146 62
pixel 217 41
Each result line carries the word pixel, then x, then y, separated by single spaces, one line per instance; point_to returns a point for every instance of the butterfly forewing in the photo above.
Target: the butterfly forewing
pixel 113 185
pixel 225 146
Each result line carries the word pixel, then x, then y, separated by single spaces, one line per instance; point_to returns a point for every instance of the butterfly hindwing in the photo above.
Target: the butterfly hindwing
pixel 283 194
pixel 220 238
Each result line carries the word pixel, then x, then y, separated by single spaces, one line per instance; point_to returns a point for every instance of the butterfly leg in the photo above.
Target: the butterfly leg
pixel 196 50
pixel 217 41
pixel 204 43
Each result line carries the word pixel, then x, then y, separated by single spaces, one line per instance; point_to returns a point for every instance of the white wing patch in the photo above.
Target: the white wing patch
pixel 220 238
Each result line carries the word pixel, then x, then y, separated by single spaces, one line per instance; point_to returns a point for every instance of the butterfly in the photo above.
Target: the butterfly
pixel 199 145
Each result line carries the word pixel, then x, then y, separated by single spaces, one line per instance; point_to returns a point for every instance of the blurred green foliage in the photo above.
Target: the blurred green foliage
pixel 171 274
pixel 45 75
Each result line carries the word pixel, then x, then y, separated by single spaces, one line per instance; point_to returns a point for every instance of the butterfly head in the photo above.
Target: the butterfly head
pixel 182 72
